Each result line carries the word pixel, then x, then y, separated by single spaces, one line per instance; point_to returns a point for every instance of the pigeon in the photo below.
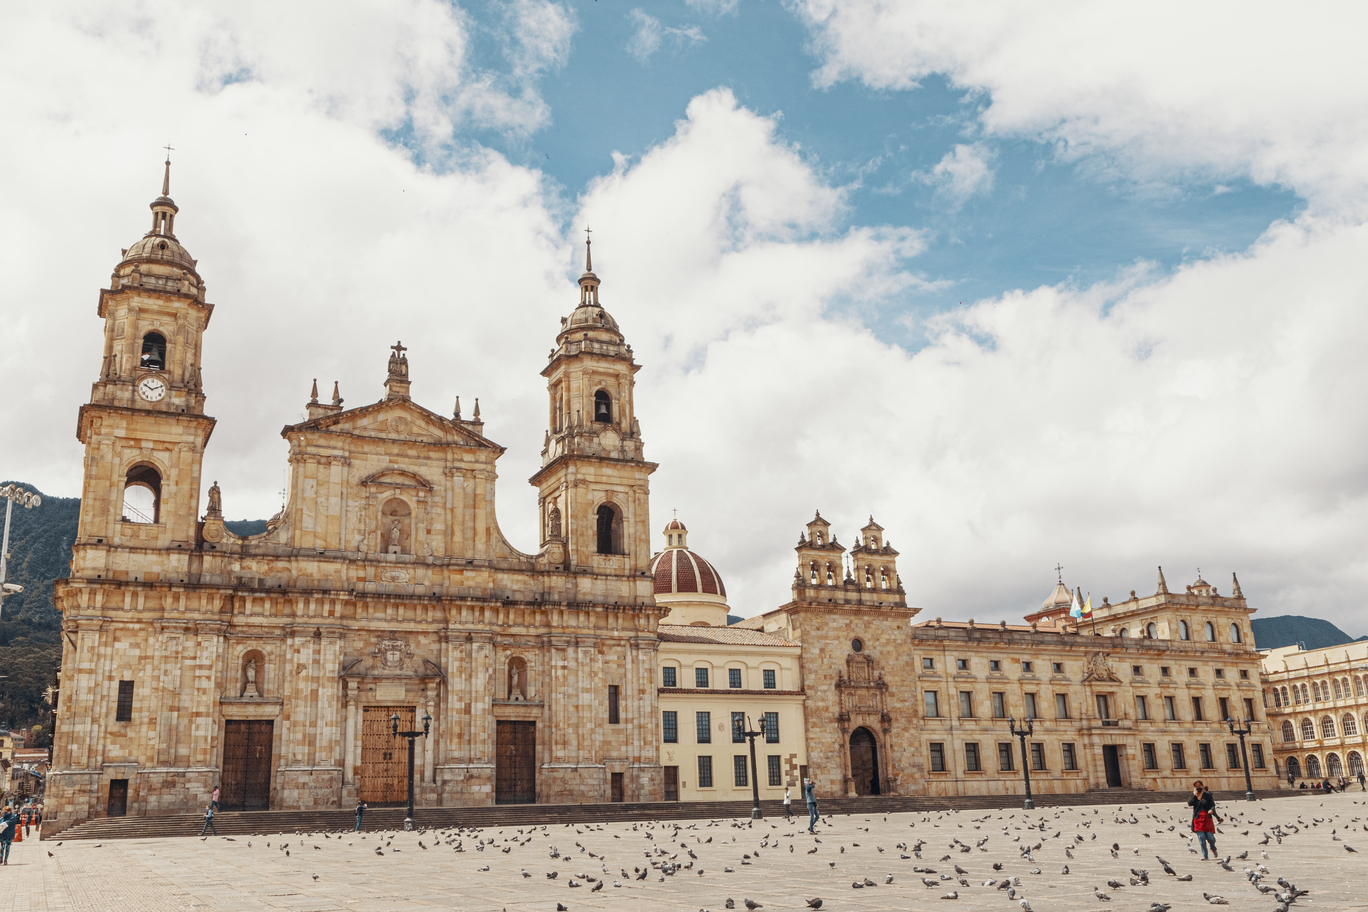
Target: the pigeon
pixel 731 903
pixel 953 894
pixel 562 907
pixel 1100 895
pixel 1215 900
pixel 815 902
pixel 752 905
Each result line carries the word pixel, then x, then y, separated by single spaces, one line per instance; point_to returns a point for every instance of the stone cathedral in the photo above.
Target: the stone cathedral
pixel 590 671
pixel 271 665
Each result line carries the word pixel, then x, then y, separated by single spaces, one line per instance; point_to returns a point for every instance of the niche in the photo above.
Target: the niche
pixel 253 671
pixel 396 527
pixel 517 679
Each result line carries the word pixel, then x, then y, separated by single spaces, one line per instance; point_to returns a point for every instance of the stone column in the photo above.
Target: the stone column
pixel 349 743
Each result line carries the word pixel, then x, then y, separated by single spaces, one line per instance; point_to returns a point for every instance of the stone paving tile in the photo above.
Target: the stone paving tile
pixel 193 875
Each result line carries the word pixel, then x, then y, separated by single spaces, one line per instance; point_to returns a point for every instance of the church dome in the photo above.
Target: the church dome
pixel 679 571
pixel 1059 598
pixel 160 248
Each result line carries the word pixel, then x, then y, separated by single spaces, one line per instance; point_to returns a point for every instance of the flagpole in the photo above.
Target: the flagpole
pixel 1092 614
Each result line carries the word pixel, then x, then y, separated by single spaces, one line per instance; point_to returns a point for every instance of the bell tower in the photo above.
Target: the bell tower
pixel 144 428
pixel 593 486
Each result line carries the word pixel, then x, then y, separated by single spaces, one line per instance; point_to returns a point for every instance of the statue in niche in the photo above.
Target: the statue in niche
pixel 250 690
pixel 215 499
pixel 515 684
pixel 555 523
pixel 394 533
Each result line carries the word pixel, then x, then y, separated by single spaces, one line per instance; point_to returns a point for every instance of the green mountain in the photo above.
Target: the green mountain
pixel 1289 629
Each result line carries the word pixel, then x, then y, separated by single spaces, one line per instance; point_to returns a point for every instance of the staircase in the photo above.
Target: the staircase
pixel 244 823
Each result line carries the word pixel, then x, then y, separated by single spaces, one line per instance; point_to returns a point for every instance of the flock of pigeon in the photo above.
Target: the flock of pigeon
pixel 1025 858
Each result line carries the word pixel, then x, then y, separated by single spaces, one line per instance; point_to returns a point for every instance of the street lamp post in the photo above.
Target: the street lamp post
pixel 412 736
pixel 1022 734
pixel 1244 757
pixel 12 494
pixel 751 734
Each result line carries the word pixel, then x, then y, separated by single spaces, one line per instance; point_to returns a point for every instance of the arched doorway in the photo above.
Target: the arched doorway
pixel 864 762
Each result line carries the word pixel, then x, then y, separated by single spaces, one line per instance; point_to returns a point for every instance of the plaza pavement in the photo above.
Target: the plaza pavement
pixel 343 871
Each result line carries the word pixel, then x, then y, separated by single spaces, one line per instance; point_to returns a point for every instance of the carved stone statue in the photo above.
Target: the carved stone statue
pixel 394 533
pixel 215 499
pixel 514 684
pixel 555 523
pixel 250 690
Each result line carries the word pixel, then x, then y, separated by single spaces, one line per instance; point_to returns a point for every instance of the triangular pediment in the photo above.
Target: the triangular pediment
pixel 396 419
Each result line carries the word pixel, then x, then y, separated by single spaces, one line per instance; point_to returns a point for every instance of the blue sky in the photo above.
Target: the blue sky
pixel 1030 283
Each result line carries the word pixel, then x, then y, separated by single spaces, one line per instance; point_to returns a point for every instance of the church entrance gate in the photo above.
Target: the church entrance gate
pixel 515 768
pixel 383 778
pixel 864 762
pixel 245 783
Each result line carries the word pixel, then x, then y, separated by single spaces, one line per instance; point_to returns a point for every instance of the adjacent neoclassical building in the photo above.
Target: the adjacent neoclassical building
pixel 1317 702
pixel 589 670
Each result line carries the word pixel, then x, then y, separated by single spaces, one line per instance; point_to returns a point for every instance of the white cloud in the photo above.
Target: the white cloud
pixel 963 172
pixel 713 7
pixel 1212 90
pixel 646 40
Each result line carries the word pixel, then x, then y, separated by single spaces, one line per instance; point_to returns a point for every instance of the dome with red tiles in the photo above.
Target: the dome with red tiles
pixel 686 583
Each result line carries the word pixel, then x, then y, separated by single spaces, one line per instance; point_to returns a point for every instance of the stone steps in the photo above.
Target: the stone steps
pixel 235 823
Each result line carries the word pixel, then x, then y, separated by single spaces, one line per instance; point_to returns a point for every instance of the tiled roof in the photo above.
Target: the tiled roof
pixel 679 570
pixel 722 636
pixel 751 623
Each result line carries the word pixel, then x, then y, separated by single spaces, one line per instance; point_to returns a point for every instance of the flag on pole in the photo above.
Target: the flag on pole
pixel 1075 611
pixel 1087 606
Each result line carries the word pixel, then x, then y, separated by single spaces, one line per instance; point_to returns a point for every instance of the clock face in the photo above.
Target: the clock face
pixel 152 389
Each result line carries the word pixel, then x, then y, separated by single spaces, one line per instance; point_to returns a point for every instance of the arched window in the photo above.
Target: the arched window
pixel 1183 633
pixel 1210 631
pixel 603 407
pixel 1358 686
pixel 1306 694
pixel 1125 632
pixel 883 577
pixel 1355 763
pixel 153 352
pixel 1151 631
pixel 1235 636
pixel 1339 695
pixel 1284 696
pixel 813 567
pixel 1296 693
pixel 1327 727
pixel 1293 768
pixel 1288 732
pixel 831 577
pixel 1332 766
pixel 1313 767
pixel 869 577
pixel 1308 730
pixel 1349 724
pixel 1345 683
pixel 608 530
pixel 1277 699
pixel 142 495
pixel 1315 691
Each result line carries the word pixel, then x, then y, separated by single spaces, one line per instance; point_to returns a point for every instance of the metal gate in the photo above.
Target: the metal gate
pixel 384 758
pixel 245 784
pixel 515 770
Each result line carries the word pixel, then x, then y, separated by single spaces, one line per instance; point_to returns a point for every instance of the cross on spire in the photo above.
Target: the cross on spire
pixel 399 349
pixel 1059 569
pixel 588 242
pixel 166 178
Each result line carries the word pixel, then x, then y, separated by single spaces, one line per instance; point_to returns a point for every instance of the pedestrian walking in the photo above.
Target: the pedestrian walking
pixel 214 799
pixel 1203 817
pixel 28 822
pixel 788 803
pixel 209 821
pixel 8 822
pixel 1291 780
pixel 810 795
pixel 360 812
pixel 1362 785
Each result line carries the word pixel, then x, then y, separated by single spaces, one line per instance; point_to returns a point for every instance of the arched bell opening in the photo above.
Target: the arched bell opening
pixel 603 407
pixel 142 495
pixel 153 355
pixel 609 530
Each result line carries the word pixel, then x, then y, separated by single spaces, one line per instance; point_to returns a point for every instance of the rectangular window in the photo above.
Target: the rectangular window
pixel 1005 756
pixel 1031 706
pixel 700 677
pixel 1225 708
pixel 1179 761
pixel 994 665
pixel 932 704
pixel 1151 761
pixel 1244 674
pixel 937 751
pixel 1103 706
pixel 124 711
pixel 999 706
pixel 971 758
pixel 738 728
pixel 1137 670
pixel 1192 672
pixel 961 664
pixel 1249 707
pixel 1141 708
pixel 928 664
pixel 614 718
pixel 1037 756
pixel 966 701
pixel 1164 671
pixel 1026 668
pixel 671 679
pixel 739 777
pixel 669 726
pixel 1170 710
pixel 771 728
pixel 770 683
pixel 1070 756
pixel 1197 711
pixel 734 677
pixel 1204 754
pixel 775 774
pixel 1220 672
pixel 1257 756
pixel 1061 706
pixel 703 724
pixel 1059 668
pixel 705 772
pixel 1232 756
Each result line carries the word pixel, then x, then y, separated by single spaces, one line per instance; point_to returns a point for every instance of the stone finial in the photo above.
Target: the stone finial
pixel 337 395
pixel 313 394
pixel 476 415
pixel 457 414
pixel 1235 582
pixel 1163 585
pixel 1002 625
pixel 971 624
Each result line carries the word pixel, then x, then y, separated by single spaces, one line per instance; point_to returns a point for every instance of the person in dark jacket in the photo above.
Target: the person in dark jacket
pixel 209 821
pixel 8 821
pixel 810 795
pixel 1203 817
pixel 360 812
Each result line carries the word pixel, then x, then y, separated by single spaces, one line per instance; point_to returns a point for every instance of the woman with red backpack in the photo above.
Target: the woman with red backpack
pixel 1203 817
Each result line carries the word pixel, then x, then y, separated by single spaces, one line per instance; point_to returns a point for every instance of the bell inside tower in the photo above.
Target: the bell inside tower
pixel 153 352
pixel 603 407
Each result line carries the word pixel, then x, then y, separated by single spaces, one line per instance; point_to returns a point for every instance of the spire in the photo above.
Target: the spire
pixel 163 209
pixel 397 383
pixel 457 416
pixel 337 395
pixel 588 251
pixel 166 178
pixel 1235 582
pixel 589 283
pixel 313 396
pixel 1163 586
